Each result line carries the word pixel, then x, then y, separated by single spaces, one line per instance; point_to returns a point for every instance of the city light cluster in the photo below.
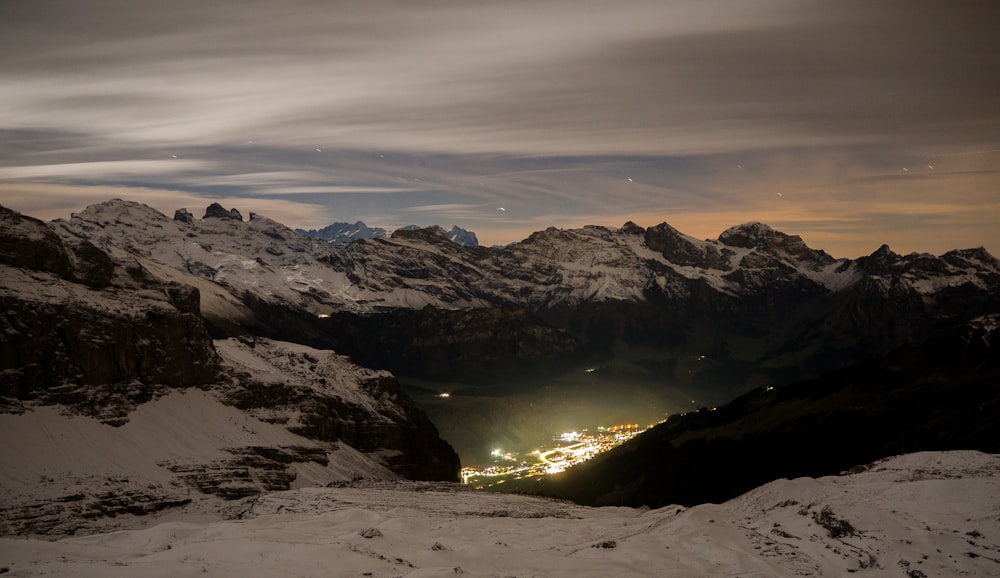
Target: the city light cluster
pixel 569 449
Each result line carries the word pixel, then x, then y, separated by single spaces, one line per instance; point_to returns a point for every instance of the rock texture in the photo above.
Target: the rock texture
pixel 323 396
pixel 85 332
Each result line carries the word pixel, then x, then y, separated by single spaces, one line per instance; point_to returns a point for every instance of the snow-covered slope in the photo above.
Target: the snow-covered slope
pixel 927 514
pixel 287 416
pixel 185 452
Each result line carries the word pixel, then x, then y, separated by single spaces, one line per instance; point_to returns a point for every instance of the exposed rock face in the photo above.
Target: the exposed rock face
pixel 323 396
pixel 85 332
pixel 215 211
pixel 73 513
pixel 183 216
pixel 462 237
pixel 683 250
pixel 252 470
pixel 26 242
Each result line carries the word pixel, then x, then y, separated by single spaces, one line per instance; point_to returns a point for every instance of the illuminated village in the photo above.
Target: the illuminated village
pixel 568 449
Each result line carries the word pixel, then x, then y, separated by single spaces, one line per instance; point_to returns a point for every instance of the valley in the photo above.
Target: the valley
pixel 402 359
pixel 476 419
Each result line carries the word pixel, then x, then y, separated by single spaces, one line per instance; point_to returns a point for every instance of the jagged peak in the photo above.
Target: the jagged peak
pixel 413 231
pixel 215 210
pixel 630 228
pixel 884 252
pixel 184 216
pixel 964 257
pixel 463 237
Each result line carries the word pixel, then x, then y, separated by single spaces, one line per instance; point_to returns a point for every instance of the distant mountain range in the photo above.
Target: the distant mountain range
pixel 343 233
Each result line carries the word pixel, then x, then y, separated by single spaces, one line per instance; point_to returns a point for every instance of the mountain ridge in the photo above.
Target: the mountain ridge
pixel 597 285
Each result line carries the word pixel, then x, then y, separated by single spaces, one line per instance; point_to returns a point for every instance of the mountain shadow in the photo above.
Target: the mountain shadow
pixel 941 395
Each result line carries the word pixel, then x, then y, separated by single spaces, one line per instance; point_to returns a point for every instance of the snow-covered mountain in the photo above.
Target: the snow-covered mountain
pixel 343 233
pixel 462 237
pixel 416 268
pixel 918 515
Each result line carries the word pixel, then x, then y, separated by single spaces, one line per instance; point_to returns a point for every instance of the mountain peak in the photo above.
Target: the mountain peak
pixel 415 231
pixel 463 237
pixel 748 235
pixel 630 228
pixel 684 250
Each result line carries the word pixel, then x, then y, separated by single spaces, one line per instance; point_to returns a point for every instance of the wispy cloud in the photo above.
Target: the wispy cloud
pixel 48 201
pixel 565 109
pixel 125 169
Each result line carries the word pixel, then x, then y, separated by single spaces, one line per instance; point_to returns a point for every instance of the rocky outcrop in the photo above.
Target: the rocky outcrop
pixel 462 237
pixel 683 250
pixel 251 471
pixel 78 512
pixel 323 396
pixel 97 335
pixel 216 211
pixel 83 331
pixel 123 338
pixel 183 216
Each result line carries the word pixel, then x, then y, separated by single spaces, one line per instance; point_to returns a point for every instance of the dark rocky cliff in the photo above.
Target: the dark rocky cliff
pixel 83 331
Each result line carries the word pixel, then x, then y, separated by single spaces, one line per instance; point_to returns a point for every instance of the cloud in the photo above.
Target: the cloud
pixel 103 169
pixel 520 78
pixel 48 201
pixel 546 107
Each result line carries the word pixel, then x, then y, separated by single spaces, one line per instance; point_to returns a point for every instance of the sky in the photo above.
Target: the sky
pixel 850 123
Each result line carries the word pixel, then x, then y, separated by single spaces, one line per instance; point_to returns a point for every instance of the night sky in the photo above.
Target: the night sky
pixel 851 123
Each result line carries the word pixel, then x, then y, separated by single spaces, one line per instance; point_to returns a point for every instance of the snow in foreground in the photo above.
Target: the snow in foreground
pixel 926 514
